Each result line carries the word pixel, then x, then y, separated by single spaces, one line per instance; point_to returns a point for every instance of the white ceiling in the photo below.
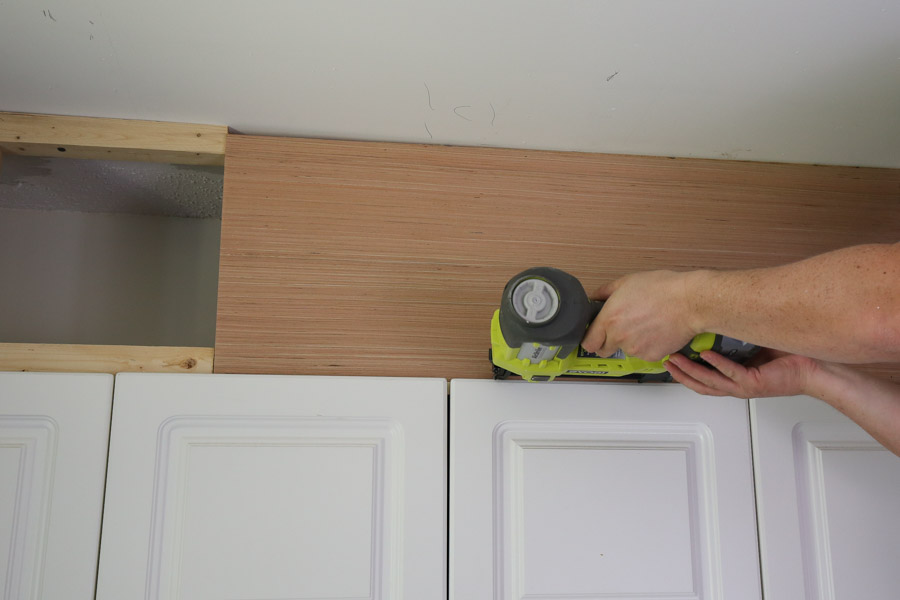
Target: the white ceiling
pixel 812 81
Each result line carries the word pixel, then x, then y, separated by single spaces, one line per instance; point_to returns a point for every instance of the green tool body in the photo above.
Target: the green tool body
pixel 543 316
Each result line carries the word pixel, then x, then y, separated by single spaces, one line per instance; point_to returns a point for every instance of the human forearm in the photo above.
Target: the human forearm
pixel 873 403
pixel 840 306
pixel 843 306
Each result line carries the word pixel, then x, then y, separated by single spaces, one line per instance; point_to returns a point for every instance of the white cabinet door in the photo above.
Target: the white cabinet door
pixel 594 490
pixel 829 504
pixel 265 487
pixel 54 431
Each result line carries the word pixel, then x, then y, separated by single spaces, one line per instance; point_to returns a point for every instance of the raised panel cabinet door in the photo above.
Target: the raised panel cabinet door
pixel 565 491
pixel 828 501
pixel 266 487
pixel 54 432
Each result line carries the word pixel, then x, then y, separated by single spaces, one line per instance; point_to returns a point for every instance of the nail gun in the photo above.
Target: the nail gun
pixel 543 316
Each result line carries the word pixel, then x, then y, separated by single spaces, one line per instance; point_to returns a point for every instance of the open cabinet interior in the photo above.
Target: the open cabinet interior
pixel 109 243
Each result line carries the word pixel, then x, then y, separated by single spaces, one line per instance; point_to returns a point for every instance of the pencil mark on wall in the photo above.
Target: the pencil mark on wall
pixel 427 91
pixel 49 14
pixel 611 76
pixel 734 154
pixel 429 131
pixel 115 55
pixel 456 112
pixel 493 114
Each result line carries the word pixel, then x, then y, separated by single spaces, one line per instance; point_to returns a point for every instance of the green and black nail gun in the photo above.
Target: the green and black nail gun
pixel 543 316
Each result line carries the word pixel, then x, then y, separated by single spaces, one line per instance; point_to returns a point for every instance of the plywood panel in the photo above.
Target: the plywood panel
pixel 389 259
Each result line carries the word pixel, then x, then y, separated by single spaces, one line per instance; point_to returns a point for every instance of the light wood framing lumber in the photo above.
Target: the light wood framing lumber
pixel 105 359
pixel 112 139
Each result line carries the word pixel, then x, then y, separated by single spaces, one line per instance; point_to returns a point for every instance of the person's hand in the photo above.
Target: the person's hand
pixel 773 373
pixel 648 315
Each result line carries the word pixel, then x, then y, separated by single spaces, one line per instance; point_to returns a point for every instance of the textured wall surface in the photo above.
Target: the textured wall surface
pixel 110 186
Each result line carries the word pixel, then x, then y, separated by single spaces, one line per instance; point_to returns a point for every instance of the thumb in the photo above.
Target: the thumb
pixel 595 337
pixel 605 291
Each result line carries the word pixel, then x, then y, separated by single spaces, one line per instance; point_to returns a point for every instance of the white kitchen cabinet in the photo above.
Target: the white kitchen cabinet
pixel 233 486
pixel 828 502
pixel 54 432
pixel 320 488
pixel 593 490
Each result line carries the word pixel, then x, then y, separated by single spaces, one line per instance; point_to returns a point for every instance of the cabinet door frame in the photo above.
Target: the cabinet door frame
pixel 503 415
pixel 54 430
pixel 174 435
pixel 794 438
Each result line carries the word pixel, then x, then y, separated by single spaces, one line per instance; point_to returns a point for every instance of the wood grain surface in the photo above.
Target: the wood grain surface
pixel 112 139
pixel 78 358
pixel 350 258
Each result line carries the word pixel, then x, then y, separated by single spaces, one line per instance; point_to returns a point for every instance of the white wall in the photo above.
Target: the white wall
pixel 810 81
pixel 102 278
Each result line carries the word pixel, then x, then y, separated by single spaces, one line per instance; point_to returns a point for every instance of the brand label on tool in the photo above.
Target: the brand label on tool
pixel 588 372
pixel 537 352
